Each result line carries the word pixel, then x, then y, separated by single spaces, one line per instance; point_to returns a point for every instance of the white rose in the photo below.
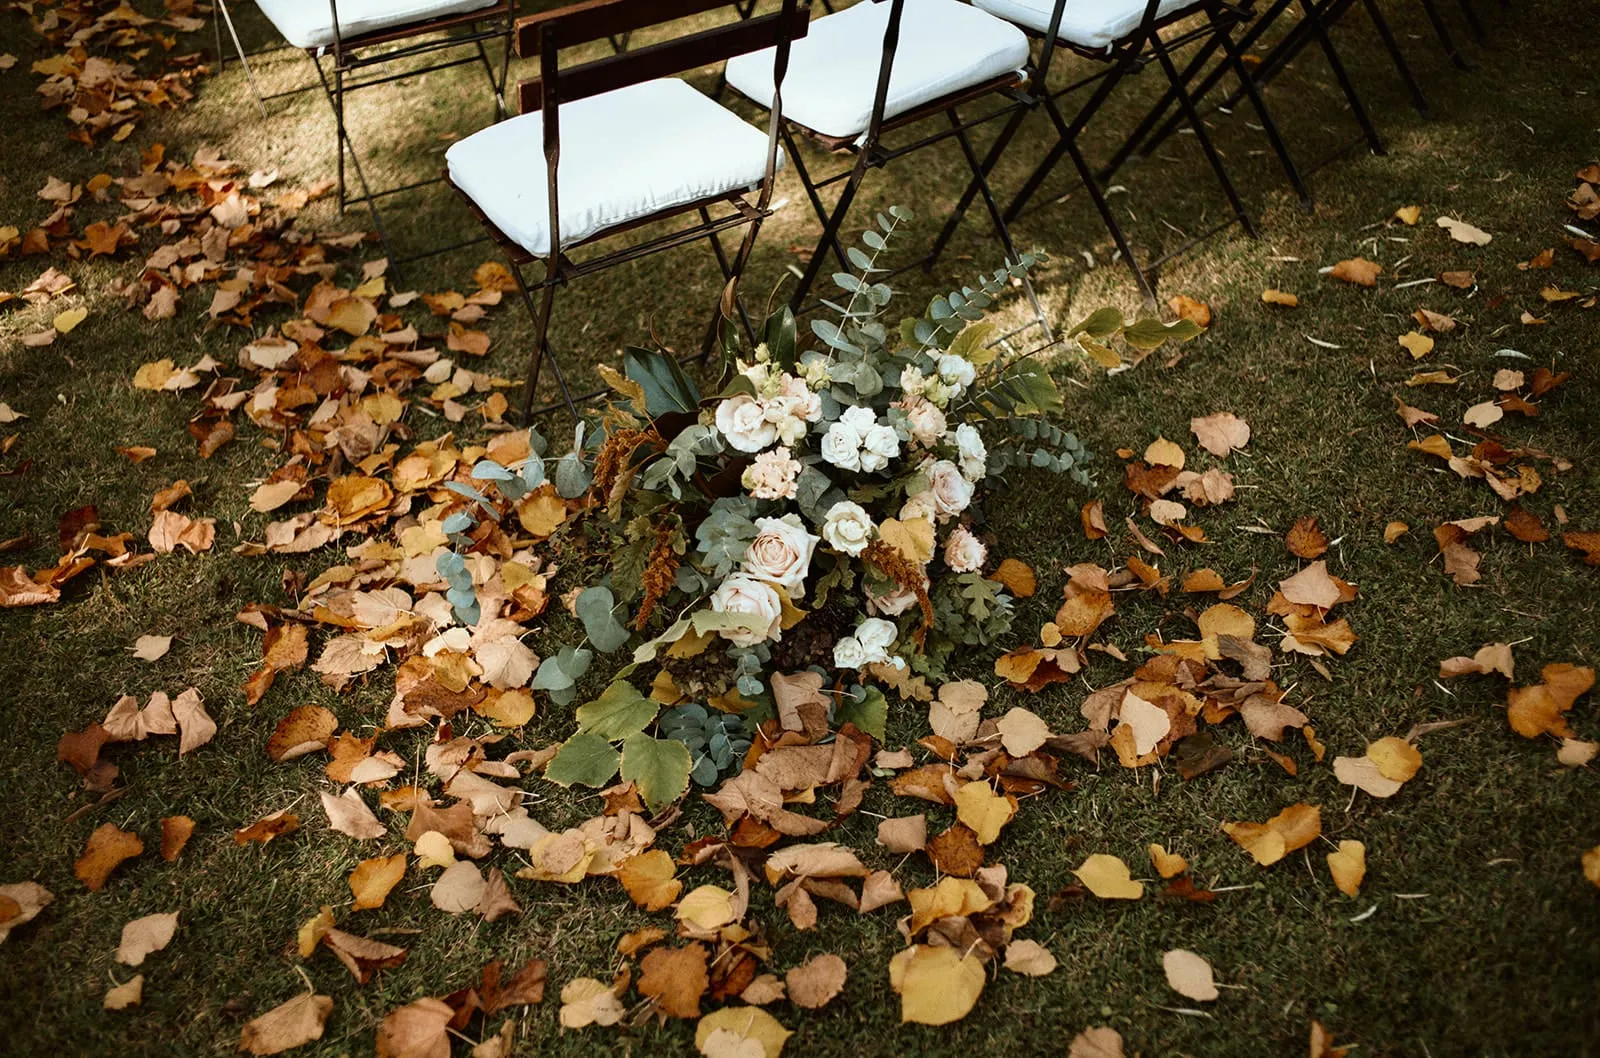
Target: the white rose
pixel 918 506
pixel 848 653
pixel 742 422
pixel 963 552
pixel 926 423
pixel 876 636
pixel 841 446
pixel 807 404
pixel 858 420
pixel 912 381
pixel 772 476
pixel 781 553
pixel 951 492
pixel 878 446
pixel 971 451
pixel 957 370
pixel 744 595
pixel 847 527
pixel 893 603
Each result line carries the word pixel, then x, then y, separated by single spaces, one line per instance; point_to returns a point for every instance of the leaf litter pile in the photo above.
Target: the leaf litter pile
pixel 449 801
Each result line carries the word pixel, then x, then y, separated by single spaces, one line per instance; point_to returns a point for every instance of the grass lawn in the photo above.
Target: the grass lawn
pixel 1475 932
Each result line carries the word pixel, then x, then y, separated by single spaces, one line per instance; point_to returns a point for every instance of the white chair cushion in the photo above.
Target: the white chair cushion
pixel 1091 24
pixel 945 46
pixel 309 23
pixel 625 155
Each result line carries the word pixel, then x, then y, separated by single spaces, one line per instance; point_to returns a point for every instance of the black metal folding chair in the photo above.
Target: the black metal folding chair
pixel 1317 18
pixel 349 38
pixel 610 145
pixel 882 66
pixel 1126 35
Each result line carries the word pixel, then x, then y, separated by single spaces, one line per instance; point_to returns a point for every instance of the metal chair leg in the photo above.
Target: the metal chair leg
pixel 792 149
pixel 728 274
pixel 1446 40
pixel 249 74
pixel 541 333
pixel 1086 177
pixel 1320 31
pixel 830 232
pixel 1200 133
pixel 1403 68
pixel 1474 24
pixel 1164 104
pixel 989 161
pixel 1247 83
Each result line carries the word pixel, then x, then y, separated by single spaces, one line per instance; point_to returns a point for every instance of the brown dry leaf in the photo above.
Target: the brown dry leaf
pixel 649 880
pixel 956 852
pixel 108 846
pixel 1220 433
pixel 1279 297
pixel 1591 865
pixel 1437 322
pixel 1312 586
pixel 372 880
pixel 1394 531
pixel 175 833
pixel 1358 270
pixel 1022 732
pixel 416 1030
pixel 1187 308
pixel 815 983
pixel 151 648
pixel 1540 709
pixel 1459 280
pixel 267 828
pixel 1461 231
pixel 1101 1042
pixel 287 1026
pixel 1417 344
pixel 349 814
pixel 459 888
pixel 1291 829
pixel 306 729
pixel 1093 517
pixel 145 935
pixel 1587 542
pixel 1575 753
pixel 1108 877
pixel 904 834
pixel 675 978
pixel 1348 865
pixel 1189 975
pixel 128 994
pixel 1483 415
pixel 1017 576
pixel 1029 958
pixel 1525 525
pixel 937 985
pixel 1306 540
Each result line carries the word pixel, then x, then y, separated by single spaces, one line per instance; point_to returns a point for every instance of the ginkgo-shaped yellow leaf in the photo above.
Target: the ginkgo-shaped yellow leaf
pixel 986 812
pixel 1108 878
pixel 1167 864
pixel 937 985
pixel 1348 866
pixel 1162 452
pixel 648 878
pixel 708 907
pixel 952 897
pixel 433 849
pixel 372 879
pixel 743 1024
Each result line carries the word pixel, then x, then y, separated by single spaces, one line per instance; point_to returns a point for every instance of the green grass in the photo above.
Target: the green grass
pixel 1490 952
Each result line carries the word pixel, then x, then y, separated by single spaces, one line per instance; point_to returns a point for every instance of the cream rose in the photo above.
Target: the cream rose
pixel 964 552
pixel 970 450
pixel 847 527
pixel 781 553
pixel 957 371
pixel 755 600
pixel 876 637
pixel 841 446
pixel 951 492
pixel 743 424
pixel 892 603
pixel 772 476
pixel 878 445
pixel 849 654
pixel 925 422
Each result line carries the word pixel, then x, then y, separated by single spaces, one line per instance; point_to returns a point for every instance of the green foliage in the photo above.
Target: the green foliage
pixel 596 608
pixel 558 674
pixel 620 711
pixel 865 707
pixel 666 388
pixel 657 767
pixel 717 742
pixel 585 759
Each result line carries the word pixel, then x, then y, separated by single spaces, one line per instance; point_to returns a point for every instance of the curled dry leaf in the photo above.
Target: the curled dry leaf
pixel 21 903
pixel 1358 270
pixel 267 828
pixel 1279 297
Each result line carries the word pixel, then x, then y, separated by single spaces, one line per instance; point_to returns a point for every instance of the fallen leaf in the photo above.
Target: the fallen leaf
pixel 1461 231
pixel 1107 877
pixel 108 846
pixel 1099 1042
pixel 268 827
pixel 1358 270
pixel 649 880
pixel 984 811
pixel 1220 433
pixel 151 648
pixel 128 994
pixel 1029 958
pixel 289 1025
pixel 1408 215
pixel 813 984
pixel 416 1030
pixel 1189 975
pixel 175 833
pixel 23 901
pixel 459 888
pixel 1540 709
pixel 731 1032
pixel 349 814
pixel 144 935
pixel 1291 829
pixel 1280 297
pixel 1348 865
pixel 1021 732
pixel 937 985
pixel 372 880
pixel 585 1002
pixel 1306 540
pixel 1187 308
pixel 675 978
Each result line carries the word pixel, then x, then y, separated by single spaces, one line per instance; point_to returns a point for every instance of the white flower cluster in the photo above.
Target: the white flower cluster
pixel 951 376
pixel 779 557
pixel 859 442
pixel 782 411
pixel 870 644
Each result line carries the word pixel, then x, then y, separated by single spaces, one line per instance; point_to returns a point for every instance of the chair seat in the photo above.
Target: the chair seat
pixel 625 155
pixel 1090 24
pixel 309 23
pixel 945 46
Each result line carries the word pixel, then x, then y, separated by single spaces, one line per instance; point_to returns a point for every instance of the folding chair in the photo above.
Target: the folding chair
pixel 1317 18
pixel 355 36
pixel 878 67
pixel 1126 35
pixel 620 143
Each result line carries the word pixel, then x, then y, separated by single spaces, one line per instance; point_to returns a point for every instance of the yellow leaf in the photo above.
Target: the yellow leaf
pixel 372 879
pixel 1591 865
pixel 1358 270
pixel 708 907
pixel 937 985
pixel 511 709
pixel 66 321
pixel 951 898
pixel 1280 297
pixel 1293 828
pixel 1408 215
pixel 1396 758
pixel 585 1002
pixel 313 929
pixel 1189 975
pixel 986 812
pixel 542 511
pixel 1416 343
pixel 1349 866
pixel 1167 864
pixel 1103 355
pixel 913 538
pixel 742 1023
pixel 1107 877
pixel 1163 452
pixel 648 878
pixel 433 849
pixel 154 375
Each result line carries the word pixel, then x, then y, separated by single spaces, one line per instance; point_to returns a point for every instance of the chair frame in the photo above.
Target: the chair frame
pixel 1123 58
pixel 870 153
pixel 1318 18
pixel 342 73
pixel 547 36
